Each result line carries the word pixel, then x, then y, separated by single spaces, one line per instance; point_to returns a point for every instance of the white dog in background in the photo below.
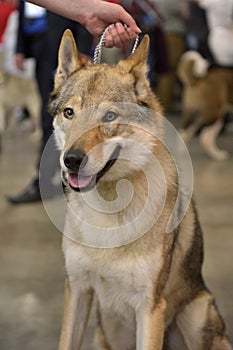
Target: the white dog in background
pixel 17 89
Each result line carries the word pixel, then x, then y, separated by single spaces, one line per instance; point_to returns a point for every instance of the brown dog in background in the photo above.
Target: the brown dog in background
pixel 207 96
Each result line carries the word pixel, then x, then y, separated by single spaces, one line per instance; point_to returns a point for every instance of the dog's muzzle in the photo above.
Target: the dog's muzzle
pixel 75 162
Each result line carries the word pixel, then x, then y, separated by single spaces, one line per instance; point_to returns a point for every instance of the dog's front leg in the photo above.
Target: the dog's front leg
pixel 77 305
pixel 150 326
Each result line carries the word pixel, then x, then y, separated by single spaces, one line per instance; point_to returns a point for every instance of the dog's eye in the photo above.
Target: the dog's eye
pixel 68 113
pixel 109 117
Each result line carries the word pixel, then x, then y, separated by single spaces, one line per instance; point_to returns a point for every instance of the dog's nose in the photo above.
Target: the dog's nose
pixel 75 159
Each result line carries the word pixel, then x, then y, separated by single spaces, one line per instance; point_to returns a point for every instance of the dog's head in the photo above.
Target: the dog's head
pixel 102 113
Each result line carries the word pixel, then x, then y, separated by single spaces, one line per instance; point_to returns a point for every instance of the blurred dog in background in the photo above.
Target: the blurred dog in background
pixel 207 97
pixel 15 92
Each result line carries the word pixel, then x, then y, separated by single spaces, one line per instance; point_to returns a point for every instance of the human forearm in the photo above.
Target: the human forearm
pixel 95 15
pixel 71 9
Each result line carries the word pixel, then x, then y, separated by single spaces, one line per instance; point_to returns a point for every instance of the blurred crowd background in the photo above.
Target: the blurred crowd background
pixel 29 41
pixel 174 26
pixel 32 264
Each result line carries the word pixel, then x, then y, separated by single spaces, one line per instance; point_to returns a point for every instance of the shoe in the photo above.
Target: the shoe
pixel 30 195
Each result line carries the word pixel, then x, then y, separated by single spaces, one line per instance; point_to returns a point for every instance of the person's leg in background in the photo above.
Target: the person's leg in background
pixel 45 52
pixel 47 168
pixel 49 156
pixel 43 74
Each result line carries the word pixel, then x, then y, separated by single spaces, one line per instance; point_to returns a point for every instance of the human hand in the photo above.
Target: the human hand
pixel 105 14
pixel 118 35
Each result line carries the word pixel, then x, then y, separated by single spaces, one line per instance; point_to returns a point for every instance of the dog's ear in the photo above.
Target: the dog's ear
pixel 136 65
pixel 69 59
pixel 137 61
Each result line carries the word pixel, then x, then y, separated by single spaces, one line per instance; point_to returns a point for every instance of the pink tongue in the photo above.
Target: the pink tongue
pixel 78 181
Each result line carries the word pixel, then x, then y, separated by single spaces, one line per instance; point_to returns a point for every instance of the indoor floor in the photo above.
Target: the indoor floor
pixel 31 260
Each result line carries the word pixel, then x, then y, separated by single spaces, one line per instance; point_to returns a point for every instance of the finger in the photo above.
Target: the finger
pixel 132 35
pixel 109 40
pixel 115 36
pixel 125 17
pixel 122 33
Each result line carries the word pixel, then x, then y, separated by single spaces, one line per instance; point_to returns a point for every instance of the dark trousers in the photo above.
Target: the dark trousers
pixel 45 52
pixel 37 47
